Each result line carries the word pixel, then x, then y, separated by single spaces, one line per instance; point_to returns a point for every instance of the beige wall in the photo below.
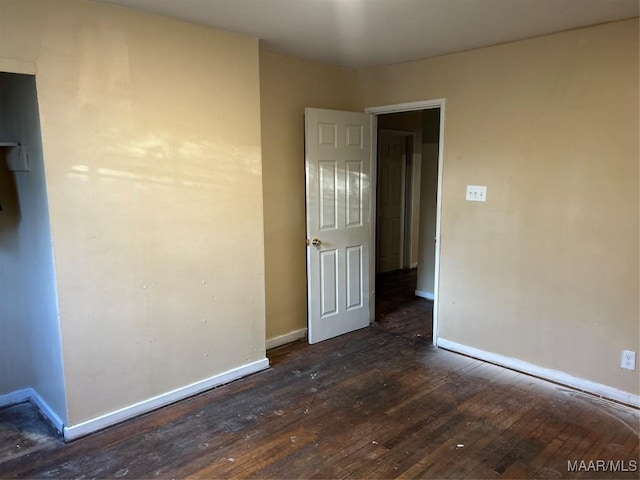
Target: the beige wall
pixel 152 150
pixel 428 213
pixel 287 86
pixel 151 136
pixel 547 269
pixel 428 202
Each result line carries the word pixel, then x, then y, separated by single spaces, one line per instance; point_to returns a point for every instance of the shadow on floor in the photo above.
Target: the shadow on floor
pixel 398 310
pixel 23 430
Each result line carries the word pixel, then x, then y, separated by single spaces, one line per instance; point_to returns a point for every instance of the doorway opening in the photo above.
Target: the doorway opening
pixel 408 157
pixel 30 345
pixel 341 182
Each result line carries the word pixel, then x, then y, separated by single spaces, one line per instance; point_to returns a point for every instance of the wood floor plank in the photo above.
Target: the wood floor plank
pixel 438 428
pixel 459 438
pixel 487 420
pixel 398 310
pixel 370 404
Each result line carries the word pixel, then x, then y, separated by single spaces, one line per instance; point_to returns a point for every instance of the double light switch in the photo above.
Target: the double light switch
pixel 477 193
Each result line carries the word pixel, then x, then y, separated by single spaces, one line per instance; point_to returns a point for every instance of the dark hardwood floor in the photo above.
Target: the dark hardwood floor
pixel 398 310
pixel 369 404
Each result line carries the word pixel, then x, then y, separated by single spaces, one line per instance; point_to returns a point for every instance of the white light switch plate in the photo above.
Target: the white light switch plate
pixel 477 193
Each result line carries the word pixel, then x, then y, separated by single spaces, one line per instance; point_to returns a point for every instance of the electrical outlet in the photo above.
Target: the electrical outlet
pixel 628 360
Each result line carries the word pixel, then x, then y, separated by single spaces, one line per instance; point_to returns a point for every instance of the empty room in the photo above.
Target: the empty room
pixel 319 238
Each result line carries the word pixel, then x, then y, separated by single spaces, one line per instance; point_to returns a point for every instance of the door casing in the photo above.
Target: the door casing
pixel 398 108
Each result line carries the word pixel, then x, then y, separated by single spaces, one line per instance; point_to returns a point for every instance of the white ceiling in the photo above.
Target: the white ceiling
pixel 362 33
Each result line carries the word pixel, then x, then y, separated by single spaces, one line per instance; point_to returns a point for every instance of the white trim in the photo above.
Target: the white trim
pixel 30 395
pixel 423 294
pixel 373 214
pixel 286 338
pixel 414 265
pixel 47 411
pixel 555 376
pixel 108 419
pixel 408 107
pixel 18 396
pixel 436 273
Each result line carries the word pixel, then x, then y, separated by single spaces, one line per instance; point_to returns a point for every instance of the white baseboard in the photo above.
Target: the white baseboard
pixel 286 338
pixel 555 376
pixel 423 294
pixel 414 265
pixel 89 426
pixel 46 410
pixel 18 396
pixel 29 394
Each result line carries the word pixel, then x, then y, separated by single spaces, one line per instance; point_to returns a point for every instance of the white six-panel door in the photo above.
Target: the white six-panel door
pixel 338 182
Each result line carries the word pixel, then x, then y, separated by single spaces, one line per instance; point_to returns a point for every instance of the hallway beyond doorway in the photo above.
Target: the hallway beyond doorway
pixel 398 310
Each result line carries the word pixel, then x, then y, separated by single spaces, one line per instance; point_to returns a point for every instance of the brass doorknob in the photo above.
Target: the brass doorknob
pixel 316 242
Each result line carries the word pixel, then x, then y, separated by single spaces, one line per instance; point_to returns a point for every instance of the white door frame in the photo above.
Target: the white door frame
pixel 398 108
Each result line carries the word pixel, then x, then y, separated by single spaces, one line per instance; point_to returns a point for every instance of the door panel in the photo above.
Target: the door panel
pixel 354 277
pixel 338 170
pixel 328 282
pixel 328 195
pixel 354 193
